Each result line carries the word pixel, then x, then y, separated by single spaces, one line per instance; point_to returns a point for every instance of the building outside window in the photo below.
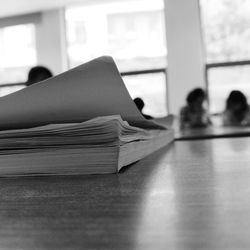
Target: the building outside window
pixel 226 28
pixel 133 33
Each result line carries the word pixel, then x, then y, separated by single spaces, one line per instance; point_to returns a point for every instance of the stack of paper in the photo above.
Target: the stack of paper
pixel 80 122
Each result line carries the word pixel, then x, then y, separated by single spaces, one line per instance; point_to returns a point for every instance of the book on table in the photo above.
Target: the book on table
pixel 82 121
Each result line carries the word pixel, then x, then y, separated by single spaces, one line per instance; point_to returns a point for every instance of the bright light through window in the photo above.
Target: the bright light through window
pixel 226 26
pixel 17 52
pixel 130 31
pixel 152 89
pixel 225 79
pixel 133 33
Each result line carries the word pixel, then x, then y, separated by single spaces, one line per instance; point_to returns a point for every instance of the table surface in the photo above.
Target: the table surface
pixel 189 195
pixel 212 132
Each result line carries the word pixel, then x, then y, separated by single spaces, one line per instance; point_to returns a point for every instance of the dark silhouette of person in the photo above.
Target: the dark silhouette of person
pixel 237 109
pixel 194 115
pixel 38 74
pixel 140 105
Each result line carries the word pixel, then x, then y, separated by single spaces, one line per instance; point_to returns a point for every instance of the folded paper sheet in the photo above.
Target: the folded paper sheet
pixel 85 92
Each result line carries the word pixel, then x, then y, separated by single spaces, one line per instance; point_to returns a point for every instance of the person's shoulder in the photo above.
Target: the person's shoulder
pixel 184 109
pixel 205 111
pixel 247 116
pixel 227 118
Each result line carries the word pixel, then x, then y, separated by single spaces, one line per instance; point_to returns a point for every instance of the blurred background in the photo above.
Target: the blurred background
pixel 163 48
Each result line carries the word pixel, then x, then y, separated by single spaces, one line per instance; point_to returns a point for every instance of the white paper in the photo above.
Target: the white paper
pixel 85 92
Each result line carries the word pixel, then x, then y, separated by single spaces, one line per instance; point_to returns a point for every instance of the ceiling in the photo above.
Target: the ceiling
pixel 18 7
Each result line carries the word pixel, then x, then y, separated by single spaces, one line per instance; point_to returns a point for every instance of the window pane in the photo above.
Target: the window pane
pixel 226 25
pixel 152 89
pixel 132 32
pixel 10 89
pixel 225 79
pixel 17 52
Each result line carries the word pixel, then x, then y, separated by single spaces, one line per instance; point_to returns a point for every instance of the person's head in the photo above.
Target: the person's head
pixel 237 102
pixel 196 97
pixel 139 103
pixel 37 74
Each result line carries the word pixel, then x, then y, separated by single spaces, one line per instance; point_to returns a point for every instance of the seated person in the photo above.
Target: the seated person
pixel 194 115
pixel 140 105
pixel 38 74
pixel 237 109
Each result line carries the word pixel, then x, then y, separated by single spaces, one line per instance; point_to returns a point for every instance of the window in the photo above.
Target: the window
pixel 152 89
pixel 17 55
pixel 226 26
pixel 133 33
pixel 222 80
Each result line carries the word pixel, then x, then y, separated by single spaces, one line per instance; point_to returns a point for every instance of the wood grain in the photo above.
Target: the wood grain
pixel 191 195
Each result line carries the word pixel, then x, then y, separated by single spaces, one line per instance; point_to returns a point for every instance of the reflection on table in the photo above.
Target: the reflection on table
pixel 212 132
pixel 190 195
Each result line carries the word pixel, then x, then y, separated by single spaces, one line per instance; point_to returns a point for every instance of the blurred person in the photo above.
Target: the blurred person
pixel 194 115
pixel 140 105
pixel 38 74
pixel 237 110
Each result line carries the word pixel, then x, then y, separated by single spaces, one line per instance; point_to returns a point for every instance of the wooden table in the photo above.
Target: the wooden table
pixel 191 195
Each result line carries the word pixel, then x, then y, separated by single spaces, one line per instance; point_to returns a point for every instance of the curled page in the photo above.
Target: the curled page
pixel 85 92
